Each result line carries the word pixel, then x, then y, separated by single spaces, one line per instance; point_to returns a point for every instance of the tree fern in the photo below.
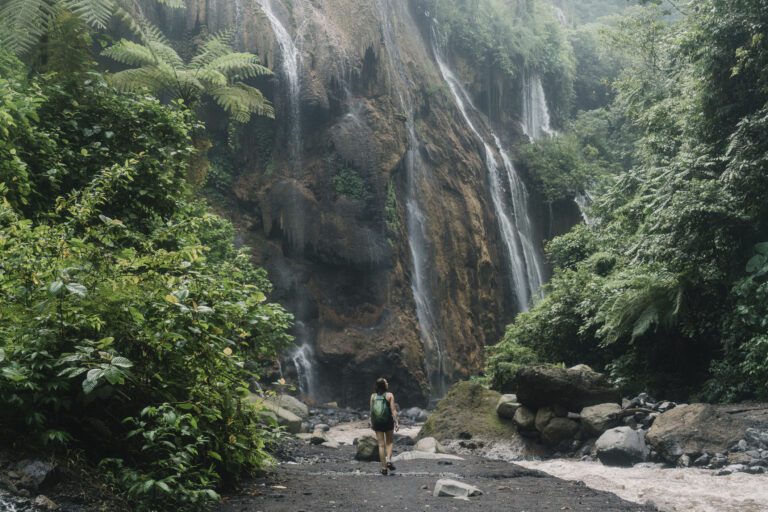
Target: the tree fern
pixel 215 71
pixel 24 22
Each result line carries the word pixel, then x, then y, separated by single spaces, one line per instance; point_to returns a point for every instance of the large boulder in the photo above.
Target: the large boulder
pixel 621 446
pixel 284 417
pixel 558 430
pixel 539 386
pixel 455 489
pixel 292 404
pixel 525 419
pixel 34 474
pixel 692 430
pixel 367 449
pixel 596 419
pixel 507 406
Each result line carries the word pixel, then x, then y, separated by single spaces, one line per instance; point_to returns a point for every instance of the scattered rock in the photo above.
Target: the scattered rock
pixel 465 435
pixel 599 418
pixel 524 418
pixel 558 430
pixel 540 386
pixel 621 446
pixel 45 503
pixel 292 404
pixel 289 420
pixel 702 461
pixel 739 458
pixel 424 456
pixel 428 445
pixel 322 427
pixel 582 368
pixel 684 461
pixel 543 416
pixel 692 430
pixel 33 474
pixel 507 406
pixel 367 449
pixel 415 414
pixel 454 489
pixel 318 437
pixel 330 444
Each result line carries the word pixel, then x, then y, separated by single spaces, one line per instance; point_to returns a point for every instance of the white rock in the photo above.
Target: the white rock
pixel 622 446
pixel 425 456
pixel 429 445
pixel 455 489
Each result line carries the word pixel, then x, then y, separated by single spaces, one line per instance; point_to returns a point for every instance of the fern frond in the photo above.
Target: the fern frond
pixel 217 45
pixel 164 53
pixel 96 13
pixel 241 101
pixel 212 77
pixel 130 53
pixel 151 79
pixel 240 65
pixel 173 4
pixel 23 22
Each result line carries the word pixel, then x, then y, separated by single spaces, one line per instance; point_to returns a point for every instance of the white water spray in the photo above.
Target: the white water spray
pixel 517 232
pixel 290 63
pixel 536 122
pixel 416 220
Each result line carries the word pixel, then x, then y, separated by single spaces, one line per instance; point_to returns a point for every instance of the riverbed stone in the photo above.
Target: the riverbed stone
pixel 543 416
pixel 599 418
pixel 367 449
pixel 428 445
pixel 621 446
pixel 34 474
pixel 45 503
pixel 692 430
pixel 541 386
pixel 454 489
pixel 524 418
pixel 507 406
pixel 292 404
pixel 558 430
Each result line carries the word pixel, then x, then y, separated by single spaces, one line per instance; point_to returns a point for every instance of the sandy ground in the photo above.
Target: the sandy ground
pixel 679 490
pixel 346 433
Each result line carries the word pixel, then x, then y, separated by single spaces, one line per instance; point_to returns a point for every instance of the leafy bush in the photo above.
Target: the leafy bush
pixel 127 315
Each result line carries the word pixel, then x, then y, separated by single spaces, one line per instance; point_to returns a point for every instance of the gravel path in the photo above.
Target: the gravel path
pixel 327 479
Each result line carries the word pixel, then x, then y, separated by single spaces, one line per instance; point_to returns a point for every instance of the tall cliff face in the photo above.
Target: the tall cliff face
pixel 369 198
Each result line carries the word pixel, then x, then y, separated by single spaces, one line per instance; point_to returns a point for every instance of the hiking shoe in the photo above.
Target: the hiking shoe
pixel 390 466
pixel 384 472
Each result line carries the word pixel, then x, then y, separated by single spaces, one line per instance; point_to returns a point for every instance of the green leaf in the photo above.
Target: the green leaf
pixel 762 248
pixel 55 288
pixel 121 362
pixel 163 486
pixel 755 263
pixel 77 289
pixel 2 355
pixel 214 455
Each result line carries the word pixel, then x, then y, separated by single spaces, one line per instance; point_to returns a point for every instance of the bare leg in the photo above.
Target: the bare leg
pixel 390 445
pixel 382 449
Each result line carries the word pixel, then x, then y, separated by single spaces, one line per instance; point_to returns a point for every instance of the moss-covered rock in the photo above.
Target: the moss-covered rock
pixel 468 407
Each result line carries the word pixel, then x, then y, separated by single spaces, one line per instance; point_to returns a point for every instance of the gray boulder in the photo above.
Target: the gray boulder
pixel 284 417
pixel 367 449
pixel 524 418
pixel 599 418
pixel 507 406
pixel 429 445
pixel 34 474
pixel 621 446
pixel 692 430
pixel 540 386
pixel 455 489
pixel 292 404
pixel 558 430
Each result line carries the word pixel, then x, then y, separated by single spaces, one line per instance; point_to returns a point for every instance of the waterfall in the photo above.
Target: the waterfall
pixel 525 261
pixel 583 200
pixel 560 16
pixel 290 63
pixel 416 220
pixel 536 123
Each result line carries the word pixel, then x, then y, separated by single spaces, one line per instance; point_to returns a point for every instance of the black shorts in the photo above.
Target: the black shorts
pixel 384 426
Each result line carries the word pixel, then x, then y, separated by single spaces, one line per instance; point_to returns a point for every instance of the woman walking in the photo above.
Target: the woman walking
pixel 384 423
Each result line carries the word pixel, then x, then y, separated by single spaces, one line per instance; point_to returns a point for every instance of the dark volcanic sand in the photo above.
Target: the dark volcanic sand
pixel 329 479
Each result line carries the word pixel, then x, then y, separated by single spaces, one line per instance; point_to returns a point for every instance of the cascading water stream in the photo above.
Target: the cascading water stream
pixel 583 200
pixel 290 64
pixel 516 230
pixel 536 122
pixel 290 61
pixel 416 220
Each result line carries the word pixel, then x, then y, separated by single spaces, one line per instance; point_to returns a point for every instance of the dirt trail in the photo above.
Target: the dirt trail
pixel 326 479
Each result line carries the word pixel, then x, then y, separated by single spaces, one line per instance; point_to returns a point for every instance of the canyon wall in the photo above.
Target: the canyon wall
pixel 371 200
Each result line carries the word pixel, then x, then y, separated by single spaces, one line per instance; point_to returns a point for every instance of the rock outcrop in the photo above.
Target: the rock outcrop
pixel 541 386
pixel 693 430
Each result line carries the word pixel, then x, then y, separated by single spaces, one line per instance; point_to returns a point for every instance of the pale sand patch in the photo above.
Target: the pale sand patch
pixel 678 490
pixel 347 432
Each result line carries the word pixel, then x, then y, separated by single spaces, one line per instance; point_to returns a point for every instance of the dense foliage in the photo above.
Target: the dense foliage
pixel 131 327
pixel 666 287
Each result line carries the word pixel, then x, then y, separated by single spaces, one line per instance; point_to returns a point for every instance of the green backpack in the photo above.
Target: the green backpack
pixel 380 413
